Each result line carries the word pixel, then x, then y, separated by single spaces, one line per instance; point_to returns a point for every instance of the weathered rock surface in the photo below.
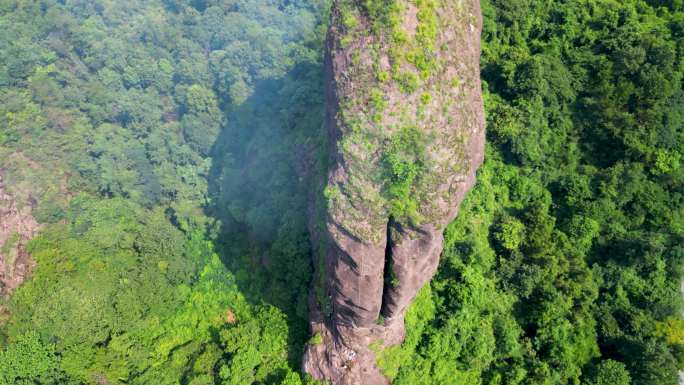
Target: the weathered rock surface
pixel 17 226
pixel 406 124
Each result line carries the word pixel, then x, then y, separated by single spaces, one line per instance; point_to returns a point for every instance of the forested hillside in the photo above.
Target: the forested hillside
pixel 157 141
pixel 168 149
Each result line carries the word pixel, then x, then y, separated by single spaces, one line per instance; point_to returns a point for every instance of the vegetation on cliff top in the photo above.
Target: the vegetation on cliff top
pixel 397 68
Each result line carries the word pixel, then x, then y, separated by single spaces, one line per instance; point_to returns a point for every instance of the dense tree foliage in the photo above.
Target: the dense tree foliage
pixel 152 137
pixel 564 264
pixel 168 149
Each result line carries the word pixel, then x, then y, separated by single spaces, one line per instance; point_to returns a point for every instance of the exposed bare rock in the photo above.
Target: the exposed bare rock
pixel 17 226
pixel 344 358
pixel 406 123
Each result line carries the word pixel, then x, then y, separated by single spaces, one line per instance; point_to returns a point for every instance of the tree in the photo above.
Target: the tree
pixel 27 360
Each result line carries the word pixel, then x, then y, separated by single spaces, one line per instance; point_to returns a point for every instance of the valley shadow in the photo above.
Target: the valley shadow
pixel 263 165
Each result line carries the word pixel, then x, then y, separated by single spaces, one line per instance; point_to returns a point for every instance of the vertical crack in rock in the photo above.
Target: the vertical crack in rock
pixel 389 277
pixel 414 259
pixel 405 120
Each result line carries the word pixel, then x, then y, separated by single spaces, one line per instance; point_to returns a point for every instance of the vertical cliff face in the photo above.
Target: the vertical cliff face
pixel 405 117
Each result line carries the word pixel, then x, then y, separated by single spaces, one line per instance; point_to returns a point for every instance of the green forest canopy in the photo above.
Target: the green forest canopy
pixel 171 147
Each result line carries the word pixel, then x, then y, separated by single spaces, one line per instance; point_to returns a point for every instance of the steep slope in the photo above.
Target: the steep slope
pixel 406 124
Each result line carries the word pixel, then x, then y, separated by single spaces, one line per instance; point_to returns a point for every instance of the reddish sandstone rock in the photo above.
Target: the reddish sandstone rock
pixel 406 124
pixel 17 226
